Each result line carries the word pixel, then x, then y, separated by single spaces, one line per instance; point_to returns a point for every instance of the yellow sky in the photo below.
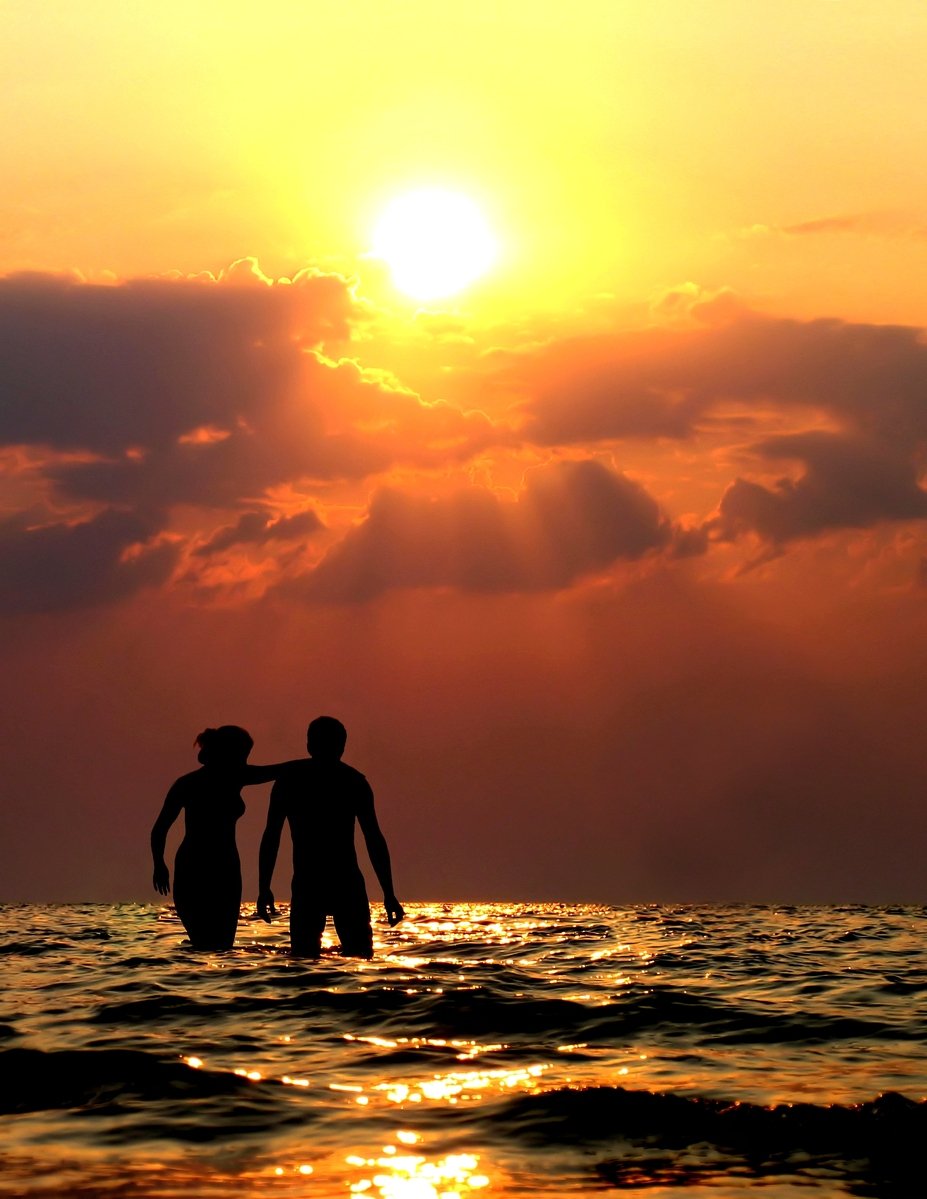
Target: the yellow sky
pixel 627 501
pixel 617 147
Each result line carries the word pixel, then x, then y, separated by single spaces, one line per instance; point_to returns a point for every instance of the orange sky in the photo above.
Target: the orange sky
pixel 612 562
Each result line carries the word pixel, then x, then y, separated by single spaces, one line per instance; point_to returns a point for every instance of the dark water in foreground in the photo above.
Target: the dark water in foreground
pixel 489 1049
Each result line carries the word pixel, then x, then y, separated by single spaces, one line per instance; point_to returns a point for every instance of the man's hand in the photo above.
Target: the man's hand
pixel 265 906
pixel 161 878
pixel 393 909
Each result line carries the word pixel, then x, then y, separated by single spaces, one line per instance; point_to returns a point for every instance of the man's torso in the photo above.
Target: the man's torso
pixel 322 801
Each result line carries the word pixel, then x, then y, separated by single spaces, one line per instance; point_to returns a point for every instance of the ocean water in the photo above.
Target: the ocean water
pixel 488 1049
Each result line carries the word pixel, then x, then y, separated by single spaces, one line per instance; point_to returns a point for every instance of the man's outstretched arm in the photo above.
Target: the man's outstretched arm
pixel 267 856
pixel 379 856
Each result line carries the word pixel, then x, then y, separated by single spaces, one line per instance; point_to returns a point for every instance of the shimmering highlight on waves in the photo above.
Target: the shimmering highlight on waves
pixel 487 1049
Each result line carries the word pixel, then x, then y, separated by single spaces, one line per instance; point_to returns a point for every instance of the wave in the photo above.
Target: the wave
pixel 31 949
pixel 479 1012
pixel 131 1094
pixel 640 1138
pixel 40 943
pixel 35 1079
pixel 675 1140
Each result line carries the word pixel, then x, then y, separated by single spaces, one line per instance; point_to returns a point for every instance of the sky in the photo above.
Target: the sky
pixel 612 560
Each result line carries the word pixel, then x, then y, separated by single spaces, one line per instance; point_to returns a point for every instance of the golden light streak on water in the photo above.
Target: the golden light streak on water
pixel 417 1176
pixel 428 1065
pixel 468 1049
pixel 462 1085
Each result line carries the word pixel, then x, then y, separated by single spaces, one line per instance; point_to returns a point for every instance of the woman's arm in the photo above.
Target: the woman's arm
pixel 262 774
pixel 170 810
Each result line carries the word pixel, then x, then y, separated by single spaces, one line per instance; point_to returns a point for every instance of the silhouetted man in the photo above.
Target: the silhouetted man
pixel 321 797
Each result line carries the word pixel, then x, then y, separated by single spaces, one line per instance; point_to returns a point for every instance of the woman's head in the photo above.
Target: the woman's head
pixel 228 745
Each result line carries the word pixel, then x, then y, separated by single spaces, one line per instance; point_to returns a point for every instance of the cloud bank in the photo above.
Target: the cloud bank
pixel 166 419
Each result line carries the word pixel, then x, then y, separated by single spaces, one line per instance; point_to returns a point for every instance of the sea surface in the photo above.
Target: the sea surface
pixel 488 1049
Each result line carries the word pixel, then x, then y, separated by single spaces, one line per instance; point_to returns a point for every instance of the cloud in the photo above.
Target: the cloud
pixel 570 520
pixel 864 386
pixel 333 422
pixel 849 482
pixel 865 222
pixel 830 224
pixel 108 367
pixel 869 224
pixel 689 305
pixel 190 397
pixel 663 382
pixel 63 566
pixel 205 392
pixel 257 528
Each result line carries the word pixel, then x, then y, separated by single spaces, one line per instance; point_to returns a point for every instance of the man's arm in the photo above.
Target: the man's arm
pixel 267 856
pixel 379 854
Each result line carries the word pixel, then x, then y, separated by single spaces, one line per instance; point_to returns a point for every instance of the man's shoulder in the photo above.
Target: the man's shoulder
pixel 292 774
pixel 307 774
pixel 351 778
pixel 295 764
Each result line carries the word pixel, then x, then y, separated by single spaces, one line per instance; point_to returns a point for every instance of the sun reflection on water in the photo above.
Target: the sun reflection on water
pixel 462 1085
pixel 286 1067
pixel 415 1176
pixel 402 1168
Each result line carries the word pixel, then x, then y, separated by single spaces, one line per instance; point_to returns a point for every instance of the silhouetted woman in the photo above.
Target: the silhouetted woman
pixel 207 871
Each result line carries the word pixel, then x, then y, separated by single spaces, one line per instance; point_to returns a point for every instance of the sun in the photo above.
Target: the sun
pixel 435 243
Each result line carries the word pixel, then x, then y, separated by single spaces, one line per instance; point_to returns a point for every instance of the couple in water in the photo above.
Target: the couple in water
pixel 320 797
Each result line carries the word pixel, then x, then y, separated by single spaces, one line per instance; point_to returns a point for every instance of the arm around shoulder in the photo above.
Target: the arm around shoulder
pixel 252 775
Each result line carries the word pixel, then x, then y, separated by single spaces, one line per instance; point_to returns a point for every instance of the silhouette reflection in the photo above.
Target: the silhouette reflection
pixel 207 870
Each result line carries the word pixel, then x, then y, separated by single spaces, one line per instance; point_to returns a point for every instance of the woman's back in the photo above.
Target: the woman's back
pixel 212 806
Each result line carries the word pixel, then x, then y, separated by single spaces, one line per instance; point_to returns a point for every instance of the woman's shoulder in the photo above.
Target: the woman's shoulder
pixel 189 784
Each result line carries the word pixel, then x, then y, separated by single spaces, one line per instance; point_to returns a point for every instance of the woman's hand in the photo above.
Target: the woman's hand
pixel 161 878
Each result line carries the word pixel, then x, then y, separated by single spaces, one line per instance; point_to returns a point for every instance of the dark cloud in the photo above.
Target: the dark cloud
pixel 849 482
pixel 64 566
pixel 205 392
pixel 864 385
pixel 622 386
pixel 332 423
pixel 159 393
pixel 662 382
pixel 571 519
pixel 257 528
pixel 108 367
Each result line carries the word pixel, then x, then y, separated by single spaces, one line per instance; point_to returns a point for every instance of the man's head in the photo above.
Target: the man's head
pixel 326 738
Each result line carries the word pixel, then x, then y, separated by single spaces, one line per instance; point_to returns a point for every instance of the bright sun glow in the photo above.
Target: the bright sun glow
pixel 435 243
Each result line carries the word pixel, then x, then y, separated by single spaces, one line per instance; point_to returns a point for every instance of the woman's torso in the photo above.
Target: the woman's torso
pixel 212 806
